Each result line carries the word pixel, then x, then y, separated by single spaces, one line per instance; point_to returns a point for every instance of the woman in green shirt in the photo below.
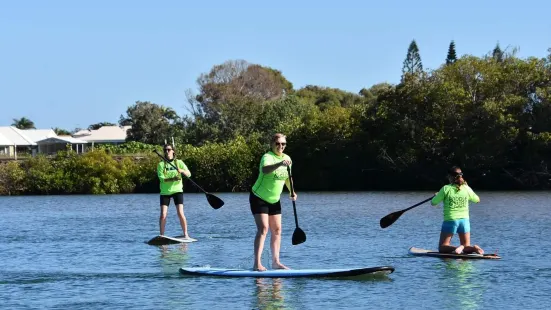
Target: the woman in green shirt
pixel 265 200
pixel 456 197
pixel 171 186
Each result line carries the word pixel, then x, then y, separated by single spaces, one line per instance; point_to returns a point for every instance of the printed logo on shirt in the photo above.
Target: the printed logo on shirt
pixel 458 202
pixel 281 173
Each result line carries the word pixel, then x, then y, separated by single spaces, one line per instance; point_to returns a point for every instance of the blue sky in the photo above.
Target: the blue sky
pixel 70 64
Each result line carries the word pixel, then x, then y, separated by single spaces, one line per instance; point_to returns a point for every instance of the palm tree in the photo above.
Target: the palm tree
pixel 23 123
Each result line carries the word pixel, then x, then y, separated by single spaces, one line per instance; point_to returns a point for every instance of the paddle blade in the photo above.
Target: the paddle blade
pixel 390 219
pixel 298 236
pixel 214 201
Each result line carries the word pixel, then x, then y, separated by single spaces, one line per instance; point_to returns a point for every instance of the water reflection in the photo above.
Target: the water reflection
pixel 269 293
pixel 463 279
pixel 173 257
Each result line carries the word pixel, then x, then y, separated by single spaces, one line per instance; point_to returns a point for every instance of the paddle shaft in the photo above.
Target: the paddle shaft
pixel 416 205
pixel 166 160
pixel 292 195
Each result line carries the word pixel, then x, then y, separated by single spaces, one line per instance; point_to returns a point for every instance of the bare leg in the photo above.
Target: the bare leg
pixel 275 240
pixel 261 221
pixel 162 219
pixel 465 239
pixel 444 244
pixel 183 220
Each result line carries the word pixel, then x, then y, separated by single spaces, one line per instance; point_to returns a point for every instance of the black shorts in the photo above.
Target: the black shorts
pixel 178 199
pixel 259 206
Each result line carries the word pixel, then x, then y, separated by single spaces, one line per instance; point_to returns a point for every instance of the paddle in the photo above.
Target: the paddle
pixel 298 235
pixel 392 217
pixel 214 201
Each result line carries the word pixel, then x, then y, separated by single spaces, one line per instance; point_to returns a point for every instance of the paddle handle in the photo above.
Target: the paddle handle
pixel 293 194
pixel 193 182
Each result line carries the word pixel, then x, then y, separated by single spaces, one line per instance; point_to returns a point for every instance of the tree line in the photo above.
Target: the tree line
pixel 490 114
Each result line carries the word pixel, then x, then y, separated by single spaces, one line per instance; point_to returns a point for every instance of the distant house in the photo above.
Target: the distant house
pixel 5 145
pixel 34 141
pixel 104 135
pixel 15 140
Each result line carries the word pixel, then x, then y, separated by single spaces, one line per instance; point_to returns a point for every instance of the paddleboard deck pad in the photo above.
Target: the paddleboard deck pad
pixel 291 273
pixel 422 252
pixel 164 240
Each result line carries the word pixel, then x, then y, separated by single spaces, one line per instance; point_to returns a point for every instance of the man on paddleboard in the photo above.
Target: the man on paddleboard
pixel 265 202
pixel 172 187
pixel 456 197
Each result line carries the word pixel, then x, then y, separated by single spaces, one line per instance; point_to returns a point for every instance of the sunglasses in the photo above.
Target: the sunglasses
pixel 282 144
pixel 166 150
pixel 458 174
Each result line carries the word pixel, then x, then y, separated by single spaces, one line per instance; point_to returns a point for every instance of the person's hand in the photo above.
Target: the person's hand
pixel 294 198
pixel 285 163
pixel 185 172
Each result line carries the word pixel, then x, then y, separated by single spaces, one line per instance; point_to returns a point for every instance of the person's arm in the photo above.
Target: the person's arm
pixel 160 171
pixel 183 169
pixel 438 198
pixel 472 196
pixel 271 168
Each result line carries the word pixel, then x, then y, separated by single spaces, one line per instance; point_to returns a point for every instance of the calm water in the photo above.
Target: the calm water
pixel 88 252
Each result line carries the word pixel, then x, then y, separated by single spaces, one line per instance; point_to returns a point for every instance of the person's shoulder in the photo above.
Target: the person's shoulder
pixel 285 156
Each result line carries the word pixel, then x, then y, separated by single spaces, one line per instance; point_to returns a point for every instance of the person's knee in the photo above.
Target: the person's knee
pixel 163 214
pixel 276 231
pixel 262 231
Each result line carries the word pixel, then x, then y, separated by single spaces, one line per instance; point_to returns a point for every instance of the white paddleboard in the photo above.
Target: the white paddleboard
pixel 164 240
pixel 291 273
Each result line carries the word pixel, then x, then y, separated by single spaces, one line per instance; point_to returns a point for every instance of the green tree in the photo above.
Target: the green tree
pixel 99 125
pixel 452 57
pixel 412 64
pixel 325 97
pixel 236 81
pixel 497 53
pixel 151 123
pixel 61 132
pixel 23 123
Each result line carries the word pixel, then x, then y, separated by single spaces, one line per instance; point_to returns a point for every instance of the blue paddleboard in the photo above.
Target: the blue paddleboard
pixel 291 273
pixel 422 252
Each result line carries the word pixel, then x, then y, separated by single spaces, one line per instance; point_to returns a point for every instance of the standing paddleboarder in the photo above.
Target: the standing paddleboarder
pixel 172 187
pixel 265 201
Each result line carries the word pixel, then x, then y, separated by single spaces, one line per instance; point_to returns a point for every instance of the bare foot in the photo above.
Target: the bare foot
pixel 478 249
pixel 259 268
pixel 459 249
pixel 279 266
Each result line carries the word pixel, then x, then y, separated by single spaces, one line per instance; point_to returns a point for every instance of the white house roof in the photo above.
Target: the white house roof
pixel 39 134
pixel 61 139
pixel 4 141
pixel 16 136
pixel 103 134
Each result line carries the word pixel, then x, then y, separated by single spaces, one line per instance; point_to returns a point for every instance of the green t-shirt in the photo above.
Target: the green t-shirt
pixel 166 171
pixel 456 201
pixel 269 186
